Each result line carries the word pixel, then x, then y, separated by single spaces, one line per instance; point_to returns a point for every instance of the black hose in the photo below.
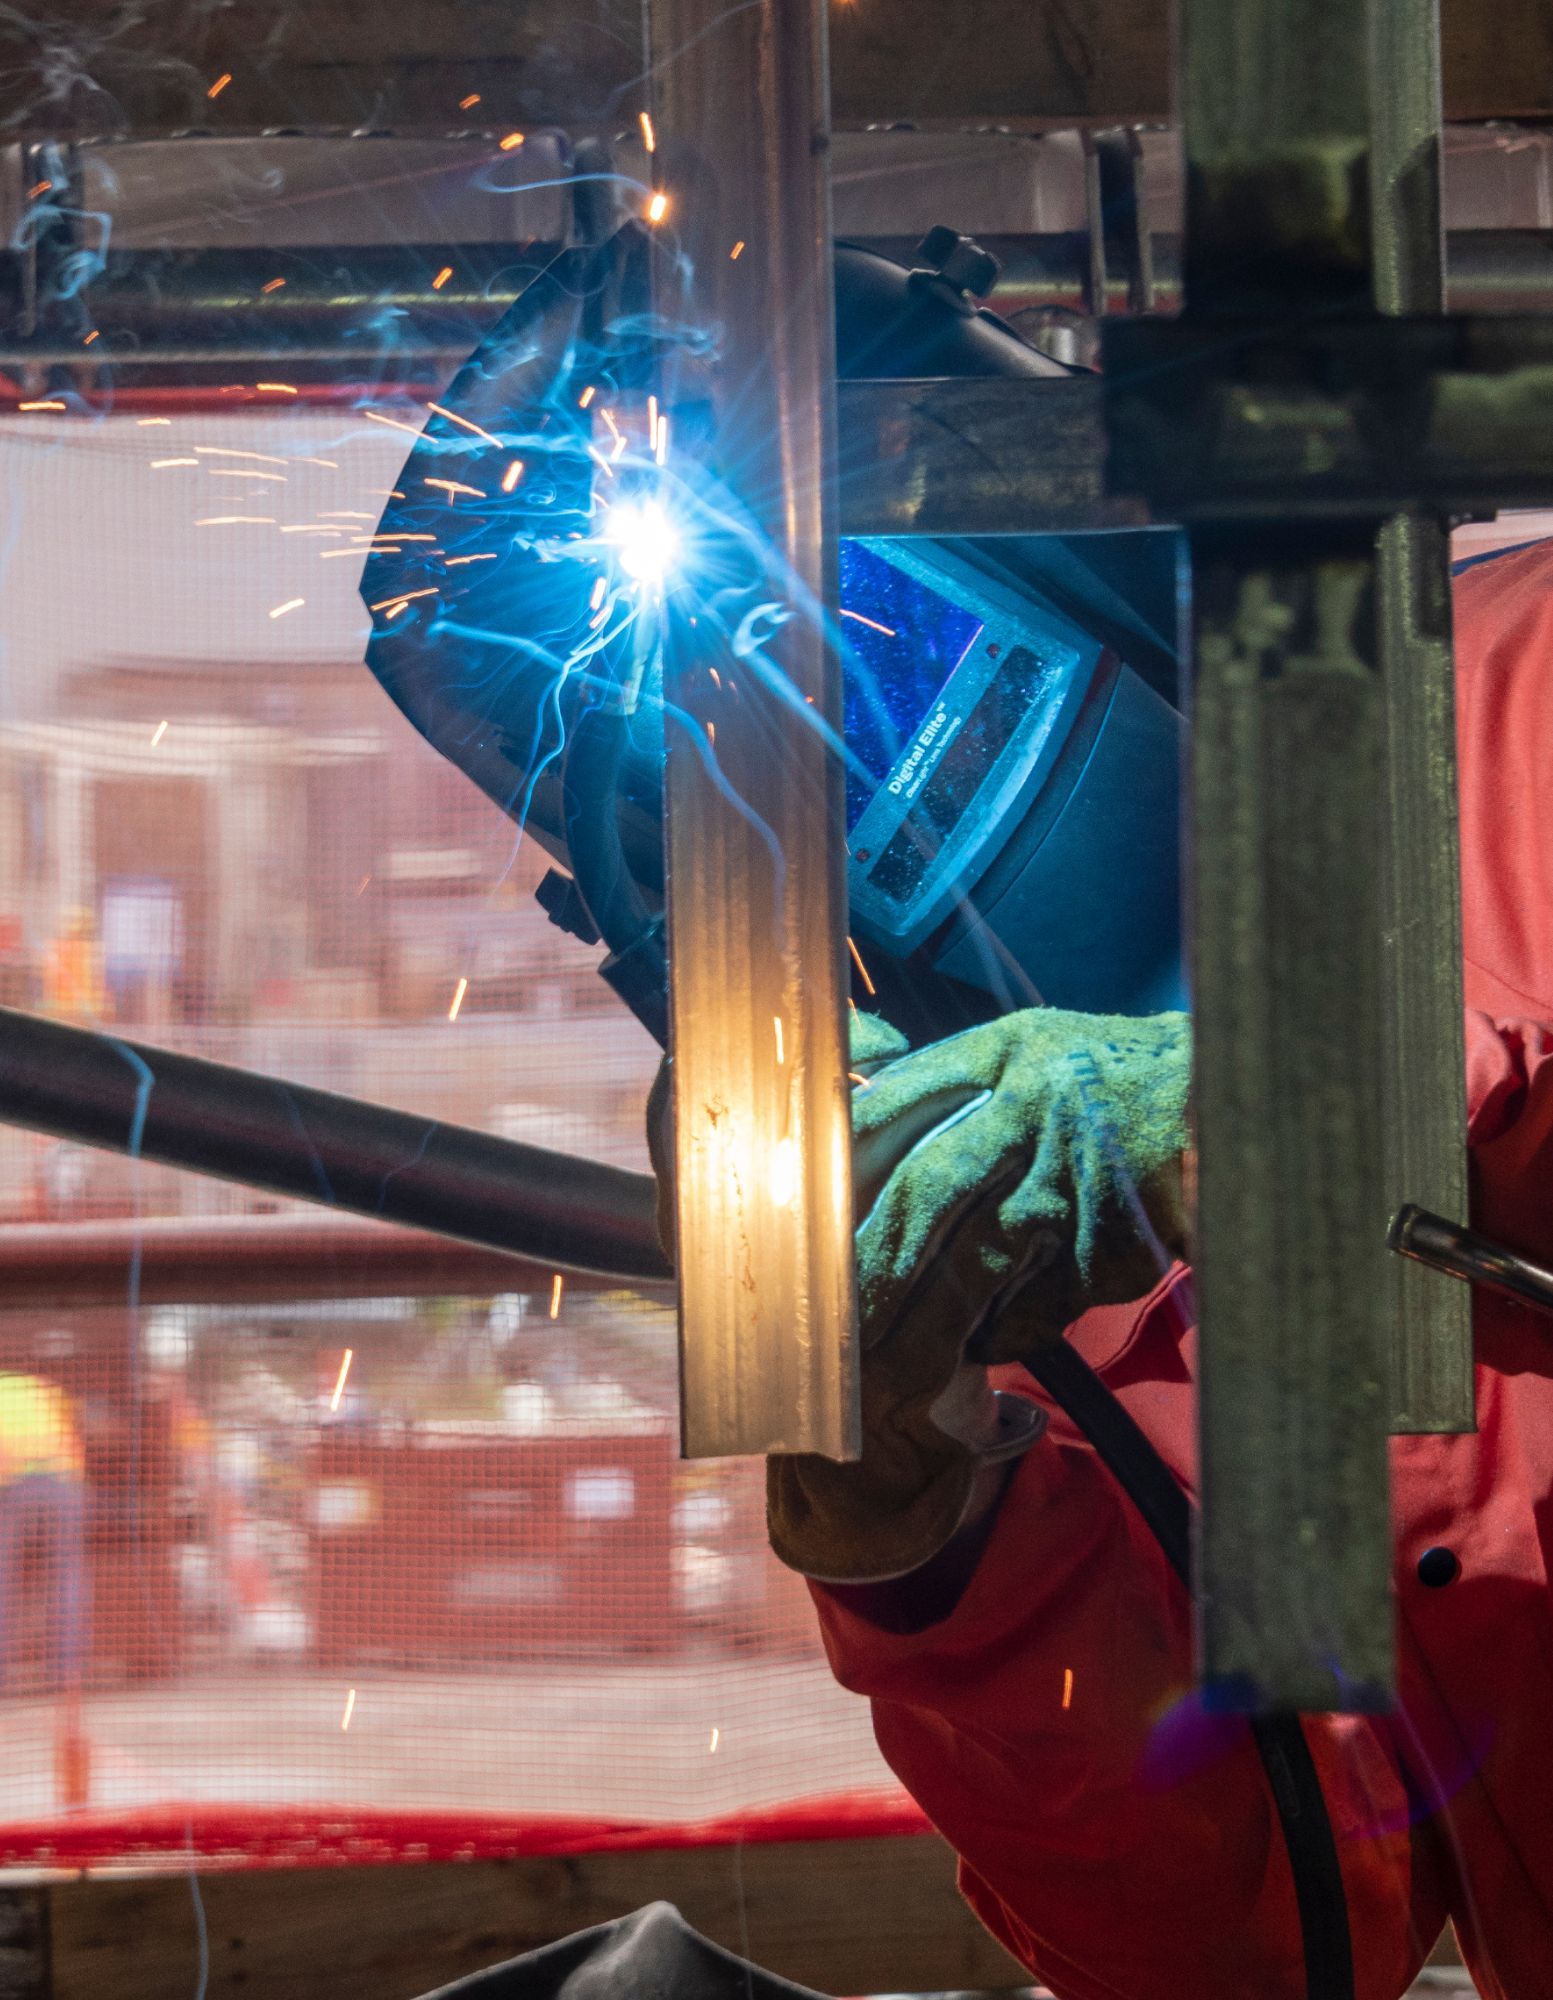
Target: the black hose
pixel 1280 1739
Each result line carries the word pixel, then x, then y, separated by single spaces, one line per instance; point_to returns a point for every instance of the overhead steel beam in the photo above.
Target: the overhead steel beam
pixel 755 833
pixel 377 310
pixel 83 68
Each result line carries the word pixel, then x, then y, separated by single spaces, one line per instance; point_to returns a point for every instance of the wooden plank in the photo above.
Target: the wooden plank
pixel 845 1916
pixel 346 63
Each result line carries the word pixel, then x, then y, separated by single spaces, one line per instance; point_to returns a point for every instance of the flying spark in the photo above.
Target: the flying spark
pixel 88 338
pixel 237 472
pixel 872 623
pixel 458 998
pixel 236 520
pixel 361 886
pixel 339 1381
pixel 291 604
pixel 158 733
pixel 143 421
pixel 512 142
pixel 658 207
pixel 350 1710
pixel 228 451
pixel 586 397
pixel 454 418
pixel 716 1733
pixel 276 388
pixel 512 475
pixel 737 251
pixel 468 103
pixel 1067 1687
pixel 857 960
pixel 220 84
pixel 378 418
pixel 776 1022
pixel 453 487
pixel 442 277
pixel 42 403
pixel 454 561
pixel 555 1295
pixel 649 137
pixel 37 188
pixel 274 285
pixel 401 596
pixel 161 464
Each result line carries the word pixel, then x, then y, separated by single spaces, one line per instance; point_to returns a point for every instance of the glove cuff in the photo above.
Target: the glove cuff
pixel 868 1523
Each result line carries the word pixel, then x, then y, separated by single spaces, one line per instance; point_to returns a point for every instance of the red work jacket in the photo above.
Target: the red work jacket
pixel 1120 1843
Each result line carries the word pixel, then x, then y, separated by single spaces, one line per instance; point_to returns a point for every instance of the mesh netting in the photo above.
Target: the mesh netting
pixel 370 1577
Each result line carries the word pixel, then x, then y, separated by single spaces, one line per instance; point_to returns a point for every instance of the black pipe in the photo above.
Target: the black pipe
pixel 211 1118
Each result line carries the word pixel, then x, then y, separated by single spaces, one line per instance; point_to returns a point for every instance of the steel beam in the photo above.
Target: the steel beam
pixel 440 65
pixel 1294 1572
pixel 755 832
pixel 1293 1583
pixel 376 308
pixel 1425 1127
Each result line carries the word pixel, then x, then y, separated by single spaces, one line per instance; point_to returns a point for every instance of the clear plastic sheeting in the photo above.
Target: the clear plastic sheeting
pixel 374 1577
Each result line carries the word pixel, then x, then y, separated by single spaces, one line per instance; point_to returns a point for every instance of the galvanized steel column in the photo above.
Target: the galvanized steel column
pixel 1293 1578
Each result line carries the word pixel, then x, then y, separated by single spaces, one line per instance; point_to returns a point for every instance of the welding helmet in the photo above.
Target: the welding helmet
pixel 1012 739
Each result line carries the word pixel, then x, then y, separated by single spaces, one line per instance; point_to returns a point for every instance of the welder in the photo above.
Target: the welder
pixel 980 1573
pixel 1025 1648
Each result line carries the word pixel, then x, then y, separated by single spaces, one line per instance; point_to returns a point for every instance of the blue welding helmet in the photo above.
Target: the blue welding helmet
pixel 1012 740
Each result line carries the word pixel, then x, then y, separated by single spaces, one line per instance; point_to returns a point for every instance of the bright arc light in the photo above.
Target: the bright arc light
pixel 645 540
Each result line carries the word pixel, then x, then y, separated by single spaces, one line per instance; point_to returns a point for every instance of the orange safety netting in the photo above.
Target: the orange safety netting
pixel 376 1577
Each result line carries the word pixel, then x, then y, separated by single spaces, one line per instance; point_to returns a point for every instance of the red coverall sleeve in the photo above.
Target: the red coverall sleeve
pixel 1510 1091
pixel 1114 1838
pixel 1118 1842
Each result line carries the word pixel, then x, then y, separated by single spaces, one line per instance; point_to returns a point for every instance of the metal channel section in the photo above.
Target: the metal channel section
pixel 1293 1583
pixel 1425 1128
pixel 755 833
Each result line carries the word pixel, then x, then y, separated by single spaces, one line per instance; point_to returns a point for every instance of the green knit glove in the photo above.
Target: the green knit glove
pixel 1008 1179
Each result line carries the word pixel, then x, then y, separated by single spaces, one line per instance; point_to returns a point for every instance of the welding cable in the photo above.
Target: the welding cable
pixel 1280 1739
